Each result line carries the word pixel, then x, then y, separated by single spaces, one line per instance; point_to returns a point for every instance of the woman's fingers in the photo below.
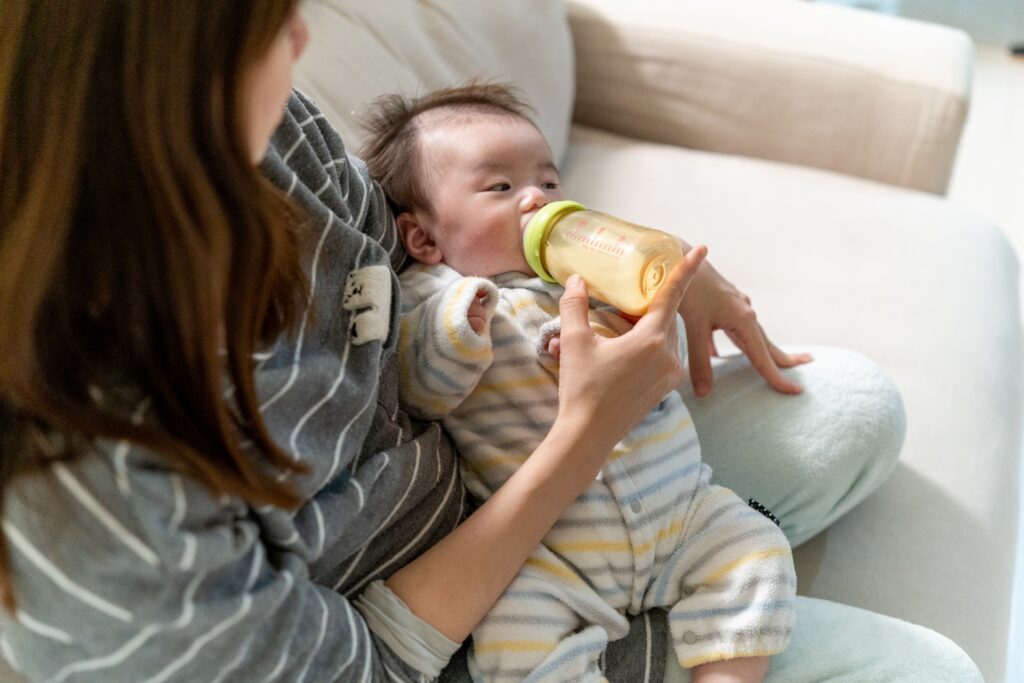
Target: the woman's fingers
pixel 752 341
pixel 786 360
pixel 665 304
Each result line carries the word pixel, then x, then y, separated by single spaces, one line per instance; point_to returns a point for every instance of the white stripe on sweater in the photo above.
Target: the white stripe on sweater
pixel 133 645
pixel 394 511
pixel 239 658
pixel 104 517
pixel 352 643
pixel 293 438
pixel 319 639
pixel 243 609
pixel 50 570
pixel 428 527
pixel 188 554
pixel 42 629
pixel 178 493
pixel 305 318
pixel 273 675
pixel 201 642
pixel 121 452
pixel 8 651
pixel 294 147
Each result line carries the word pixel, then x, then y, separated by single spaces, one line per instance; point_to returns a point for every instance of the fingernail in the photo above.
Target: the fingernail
pixel 573 282
pixel 703 389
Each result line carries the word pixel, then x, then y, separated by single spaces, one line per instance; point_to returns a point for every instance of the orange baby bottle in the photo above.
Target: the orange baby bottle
pixel 623 264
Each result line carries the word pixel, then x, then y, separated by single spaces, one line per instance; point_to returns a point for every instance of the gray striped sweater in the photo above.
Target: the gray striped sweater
pixel 126 571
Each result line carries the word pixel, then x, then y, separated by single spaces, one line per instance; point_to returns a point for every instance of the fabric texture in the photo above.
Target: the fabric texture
pixel 650 531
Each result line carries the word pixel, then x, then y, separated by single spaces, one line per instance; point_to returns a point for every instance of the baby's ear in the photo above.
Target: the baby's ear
pixel 418 242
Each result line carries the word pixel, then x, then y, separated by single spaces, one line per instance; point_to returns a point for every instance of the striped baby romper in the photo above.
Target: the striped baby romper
pixel 651 531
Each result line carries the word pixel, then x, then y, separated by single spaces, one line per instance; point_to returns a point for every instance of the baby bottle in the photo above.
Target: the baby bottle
pixel 623 264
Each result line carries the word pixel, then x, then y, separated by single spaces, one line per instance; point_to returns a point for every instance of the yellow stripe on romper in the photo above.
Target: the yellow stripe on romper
pixel 555 569
pixel 529 382
pixel 515 646
pixel 449 328
pixel 749 557
pixel 513 460
pixel 663 533
pixel 521 304
pixel 660 437
pixel 618 546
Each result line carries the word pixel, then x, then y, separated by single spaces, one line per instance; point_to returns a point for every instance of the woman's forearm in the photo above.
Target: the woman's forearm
pixel 455 583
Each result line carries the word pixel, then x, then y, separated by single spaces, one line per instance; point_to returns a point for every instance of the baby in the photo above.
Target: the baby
pixel 466 169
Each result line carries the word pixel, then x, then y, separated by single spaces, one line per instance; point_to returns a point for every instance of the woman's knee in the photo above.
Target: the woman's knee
pixel 808 458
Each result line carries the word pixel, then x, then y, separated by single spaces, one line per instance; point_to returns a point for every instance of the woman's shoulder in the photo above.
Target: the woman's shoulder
pixel 308 161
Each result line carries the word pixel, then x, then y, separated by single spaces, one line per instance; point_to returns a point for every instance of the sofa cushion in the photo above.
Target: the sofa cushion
pixel 364 48
pixel 836 261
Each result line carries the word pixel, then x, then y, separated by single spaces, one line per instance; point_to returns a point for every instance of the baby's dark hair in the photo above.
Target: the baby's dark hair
pixel 391 151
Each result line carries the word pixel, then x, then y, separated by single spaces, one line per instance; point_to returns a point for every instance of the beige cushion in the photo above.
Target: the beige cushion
pixel 845 90
pixel 364 48
pixel 924 289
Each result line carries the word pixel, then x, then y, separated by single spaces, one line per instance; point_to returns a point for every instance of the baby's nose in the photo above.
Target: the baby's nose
pixel 533 198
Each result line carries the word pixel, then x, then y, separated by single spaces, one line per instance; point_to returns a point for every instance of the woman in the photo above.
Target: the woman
pixel 205 472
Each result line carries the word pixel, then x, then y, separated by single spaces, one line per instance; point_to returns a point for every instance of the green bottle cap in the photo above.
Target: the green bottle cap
pixel 537 229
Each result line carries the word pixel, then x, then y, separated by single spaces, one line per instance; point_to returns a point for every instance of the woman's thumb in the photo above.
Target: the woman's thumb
pixel 573 305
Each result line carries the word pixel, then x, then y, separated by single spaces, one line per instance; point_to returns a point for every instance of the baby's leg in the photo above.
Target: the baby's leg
pixel 549 625
pixel 730 584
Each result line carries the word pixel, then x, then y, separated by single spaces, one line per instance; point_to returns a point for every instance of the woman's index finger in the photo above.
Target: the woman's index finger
pixel 665 304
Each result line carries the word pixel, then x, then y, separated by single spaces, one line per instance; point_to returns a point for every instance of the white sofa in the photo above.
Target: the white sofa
pixel 809 146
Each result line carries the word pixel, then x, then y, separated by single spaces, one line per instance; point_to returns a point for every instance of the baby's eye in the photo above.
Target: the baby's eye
pixel 550 186
pixel 499 187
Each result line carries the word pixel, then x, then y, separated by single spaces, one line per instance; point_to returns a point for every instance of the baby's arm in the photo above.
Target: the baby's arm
pixel 444 343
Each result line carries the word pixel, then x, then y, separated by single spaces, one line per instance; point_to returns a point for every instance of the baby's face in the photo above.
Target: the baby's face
pixel 486 177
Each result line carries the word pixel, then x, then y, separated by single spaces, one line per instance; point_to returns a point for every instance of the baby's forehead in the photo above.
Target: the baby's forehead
pixel 462 134
pixel 454 116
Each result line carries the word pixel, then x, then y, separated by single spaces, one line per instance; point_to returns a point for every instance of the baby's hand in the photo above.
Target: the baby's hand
pixel 477 314
pixel 554 347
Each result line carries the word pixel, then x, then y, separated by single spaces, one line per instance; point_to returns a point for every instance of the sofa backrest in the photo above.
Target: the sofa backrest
pixel 364 48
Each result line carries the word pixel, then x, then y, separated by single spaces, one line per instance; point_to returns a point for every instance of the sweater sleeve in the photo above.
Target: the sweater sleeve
pixel 157 580
pixel 441 358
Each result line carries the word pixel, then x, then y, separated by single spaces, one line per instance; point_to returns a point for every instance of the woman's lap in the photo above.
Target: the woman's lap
pixel 808 458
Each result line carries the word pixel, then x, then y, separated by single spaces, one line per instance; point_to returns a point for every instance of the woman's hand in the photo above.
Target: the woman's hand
pixel 715 304
pixel 607 386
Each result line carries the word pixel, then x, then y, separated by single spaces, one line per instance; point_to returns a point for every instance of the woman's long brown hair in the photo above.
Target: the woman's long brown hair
pixel 138 243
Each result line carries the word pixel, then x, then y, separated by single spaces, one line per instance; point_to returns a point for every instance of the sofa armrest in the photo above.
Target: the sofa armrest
pixel 861 93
